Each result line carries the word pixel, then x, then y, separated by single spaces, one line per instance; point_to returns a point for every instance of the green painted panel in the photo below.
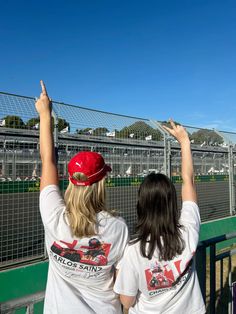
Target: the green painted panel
pixel 20 281
pixel 19 186
pixel 21 311
pixel 219 227
pixel 38 308
pixel 207 178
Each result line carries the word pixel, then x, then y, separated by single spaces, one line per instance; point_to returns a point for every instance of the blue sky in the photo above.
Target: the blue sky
pixel 151 59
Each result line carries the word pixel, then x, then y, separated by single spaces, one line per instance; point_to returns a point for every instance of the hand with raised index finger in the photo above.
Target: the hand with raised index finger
pixel 44 91
pixel 43 104
pixel 178 131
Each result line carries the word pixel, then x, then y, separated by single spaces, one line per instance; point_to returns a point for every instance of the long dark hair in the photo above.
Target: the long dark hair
pixel 158 218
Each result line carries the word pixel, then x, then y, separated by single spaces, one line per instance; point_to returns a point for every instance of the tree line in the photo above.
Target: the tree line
pixel 138 130
pixel 16 122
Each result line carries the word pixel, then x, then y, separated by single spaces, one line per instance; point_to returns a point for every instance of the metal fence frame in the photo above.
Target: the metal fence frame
pixel 201 264
pixel 168 146
pixel 27 302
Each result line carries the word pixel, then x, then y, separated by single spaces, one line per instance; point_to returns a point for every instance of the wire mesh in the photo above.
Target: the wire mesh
pixel 212 182
pixel 82 121
pixel 133 147
pixel 229 137
pixel 21 230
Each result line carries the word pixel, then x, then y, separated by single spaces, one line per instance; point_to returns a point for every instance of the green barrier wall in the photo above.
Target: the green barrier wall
pixel 34 186
pixel 217 228
pixel 20 281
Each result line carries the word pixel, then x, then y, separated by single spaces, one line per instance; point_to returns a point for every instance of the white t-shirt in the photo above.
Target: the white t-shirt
pixel 80 275
pixel 164 286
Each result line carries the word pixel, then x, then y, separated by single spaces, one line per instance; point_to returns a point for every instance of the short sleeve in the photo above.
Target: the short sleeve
pixel 122 243
pixel 127 280
pixel 50 203
pixel 190 214
pixel 190 220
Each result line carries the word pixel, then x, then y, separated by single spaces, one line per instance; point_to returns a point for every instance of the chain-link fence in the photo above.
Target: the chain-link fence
pixel 132 146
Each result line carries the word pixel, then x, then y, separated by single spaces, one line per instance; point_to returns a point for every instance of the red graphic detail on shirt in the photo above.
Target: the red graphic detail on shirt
pixel 95 253
pixel 70 245
pixel 159 277
pixel 177 265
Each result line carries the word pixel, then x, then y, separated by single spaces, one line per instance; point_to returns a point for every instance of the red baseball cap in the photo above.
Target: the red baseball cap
pixel 90 164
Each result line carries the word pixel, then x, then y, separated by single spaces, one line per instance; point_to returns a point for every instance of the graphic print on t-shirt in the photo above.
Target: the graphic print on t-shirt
pixel 158 277
pixel 95 253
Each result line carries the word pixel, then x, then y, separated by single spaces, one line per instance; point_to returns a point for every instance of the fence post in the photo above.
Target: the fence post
pixel 165 156
pixel 231 179
pixel 14 165
pixel 4 173
pixel 200 259
pixel 169 171
pixel 230 303
pixel 212 278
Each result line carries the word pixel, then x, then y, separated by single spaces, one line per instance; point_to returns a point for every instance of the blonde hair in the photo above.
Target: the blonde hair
pixel 82 204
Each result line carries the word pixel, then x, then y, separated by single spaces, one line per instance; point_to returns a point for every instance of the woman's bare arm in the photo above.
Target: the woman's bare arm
pixel 188 186
pixel 49 168
pixel 127 301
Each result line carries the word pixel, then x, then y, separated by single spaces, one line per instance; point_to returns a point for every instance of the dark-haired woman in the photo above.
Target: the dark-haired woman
pixel 156 274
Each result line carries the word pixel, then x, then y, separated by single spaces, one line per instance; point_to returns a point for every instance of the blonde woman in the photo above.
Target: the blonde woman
pixel 83 239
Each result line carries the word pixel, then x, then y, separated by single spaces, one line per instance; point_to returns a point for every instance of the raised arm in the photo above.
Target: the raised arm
pixel 49 173
pixel 188 186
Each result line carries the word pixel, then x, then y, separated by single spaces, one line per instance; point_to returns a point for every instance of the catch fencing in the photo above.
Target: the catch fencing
pixel 132 146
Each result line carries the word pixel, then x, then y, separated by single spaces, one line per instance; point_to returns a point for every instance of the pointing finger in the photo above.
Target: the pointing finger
pixel 172 124
pixel 44 91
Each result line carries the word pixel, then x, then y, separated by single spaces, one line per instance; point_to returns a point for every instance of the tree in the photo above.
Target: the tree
pixel 206 137
pixel 100 131
pixel 14 122
pixel 32 123
pixel 62 124
pixel 139 130
pixel 86 131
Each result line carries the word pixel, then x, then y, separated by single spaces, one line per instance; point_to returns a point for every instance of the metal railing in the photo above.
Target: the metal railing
pixel 26 302
pixel 206 262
